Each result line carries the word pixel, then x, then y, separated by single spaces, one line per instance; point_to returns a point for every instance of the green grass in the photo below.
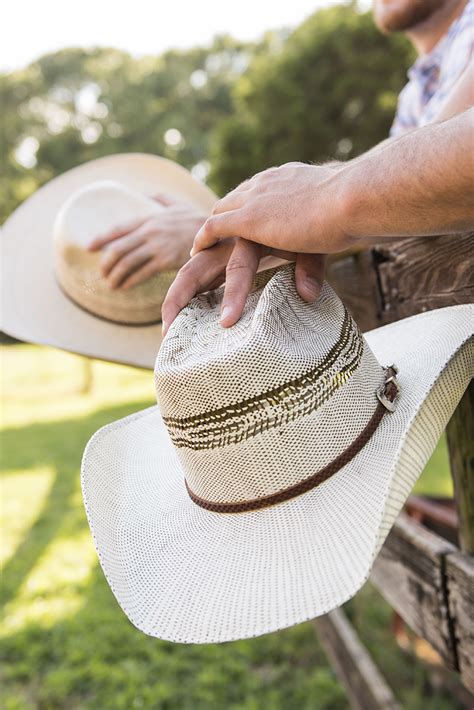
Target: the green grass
pixel 65 642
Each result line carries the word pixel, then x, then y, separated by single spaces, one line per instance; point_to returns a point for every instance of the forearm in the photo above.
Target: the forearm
pixel 418 184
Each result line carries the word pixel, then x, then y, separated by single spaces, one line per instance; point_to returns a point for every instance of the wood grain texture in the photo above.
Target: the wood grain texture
pixel 460 583
pixel 410 574
pixel 365 686
pixel 354 279
pixel 460 433
pixel 424 273
pixel 399 278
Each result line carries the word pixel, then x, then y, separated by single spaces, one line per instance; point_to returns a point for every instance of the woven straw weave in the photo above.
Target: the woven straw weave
pixel 287 373
pixel 186 574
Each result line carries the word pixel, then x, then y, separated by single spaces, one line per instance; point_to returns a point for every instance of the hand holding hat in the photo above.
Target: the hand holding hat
pixel 136 251
pixel 235 262
pixel 279 212
pixel 53 290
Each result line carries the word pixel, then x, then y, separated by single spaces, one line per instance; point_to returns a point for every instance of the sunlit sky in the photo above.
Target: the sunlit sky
pixel 29 29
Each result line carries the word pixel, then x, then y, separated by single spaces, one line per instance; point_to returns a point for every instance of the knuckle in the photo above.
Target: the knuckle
pixel 171 303
pixel 114 252
pixel 244 219
pixel 186 269
pixel 126 262
pixel 120 271
pixel 154 231
pixel 149 227
pixel 210 226
pixel 236 265
pixel 265 174
pixel 187 274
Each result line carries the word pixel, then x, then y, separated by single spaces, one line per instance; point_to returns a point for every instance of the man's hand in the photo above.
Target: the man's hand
pixel 282 208
pixel 133 253
pixel 235 262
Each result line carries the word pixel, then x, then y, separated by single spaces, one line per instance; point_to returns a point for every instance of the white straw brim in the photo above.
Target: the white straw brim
pixel 34 308
pixel 188 575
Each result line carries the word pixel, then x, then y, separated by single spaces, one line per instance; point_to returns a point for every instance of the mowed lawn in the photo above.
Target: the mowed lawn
pixel 65 642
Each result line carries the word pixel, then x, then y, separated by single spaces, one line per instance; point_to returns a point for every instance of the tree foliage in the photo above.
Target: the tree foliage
pixel 329 91
pixel 326 90
pixel 76 105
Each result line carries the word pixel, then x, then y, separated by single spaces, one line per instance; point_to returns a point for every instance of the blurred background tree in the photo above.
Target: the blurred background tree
pixel 76 105
pixel 326 90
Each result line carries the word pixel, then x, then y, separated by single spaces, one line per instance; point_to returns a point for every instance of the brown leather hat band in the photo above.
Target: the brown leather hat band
pixel 386 397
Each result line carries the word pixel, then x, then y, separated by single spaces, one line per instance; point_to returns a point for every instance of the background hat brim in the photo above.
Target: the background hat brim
pixel 185 574
pixel 33 306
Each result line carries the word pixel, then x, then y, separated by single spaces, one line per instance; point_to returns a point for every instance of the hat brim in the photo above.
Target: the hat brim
pixel 185 574
pixel 34 308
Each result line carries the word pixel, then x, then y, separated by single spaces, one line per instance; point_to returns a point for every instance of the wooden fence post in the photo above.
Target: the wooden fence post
pixel 460 433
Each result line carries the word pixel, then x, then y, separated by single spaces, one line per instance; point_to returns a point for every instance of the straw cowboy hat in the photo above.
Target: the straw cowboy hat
pixel 52 290
pixel 286 446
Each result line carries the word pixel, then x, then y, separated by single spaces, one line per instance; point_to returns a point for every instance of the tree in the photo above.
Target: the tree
pixel 75 105
pixel 328 91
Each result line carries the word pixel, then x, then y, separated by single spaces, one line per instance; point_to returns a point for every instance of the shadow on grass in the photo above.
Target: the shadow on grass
pixel 58 445
pixel 94 658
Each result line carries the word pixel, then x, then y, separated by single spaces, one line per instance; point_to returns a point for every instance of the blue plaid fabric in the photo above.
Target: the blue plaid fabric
pixel 433 75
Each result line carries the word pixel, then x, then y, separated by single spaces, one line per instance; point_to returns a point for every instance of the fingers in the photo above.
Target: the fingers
pixel 244 185
pixel 143 273
pixel 119 231
pixel 309 275
pixel 117 251
pixel 199 274
pixel 128 264
pixel 241 269
pixel 216 228
pixel 232 201
pixel 165 199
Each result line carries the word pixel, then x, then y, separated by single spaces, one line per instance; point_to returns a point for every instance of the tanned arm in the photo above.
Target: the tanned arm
pixel 419 184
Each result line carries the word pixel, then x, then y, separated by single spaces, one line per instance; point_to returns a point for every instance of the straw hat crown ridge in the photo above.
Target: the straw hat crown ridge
pixel 278 396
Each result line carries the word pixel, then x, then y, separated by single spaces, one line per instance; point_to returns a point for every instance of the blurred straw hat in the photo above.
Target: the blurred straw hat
pixel 52 290
pixel 285 448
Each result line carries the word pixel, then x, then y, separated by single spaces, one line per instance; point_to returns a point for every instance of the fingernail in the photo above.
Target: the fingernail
pixel 164 326
pixel 312 287
pixel 191 253
pixel 225 313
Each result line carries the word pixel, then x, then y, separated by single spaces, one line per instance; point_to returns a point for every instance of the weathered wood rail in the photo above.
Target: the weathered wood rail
pixel 365 686
pixel 428 580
